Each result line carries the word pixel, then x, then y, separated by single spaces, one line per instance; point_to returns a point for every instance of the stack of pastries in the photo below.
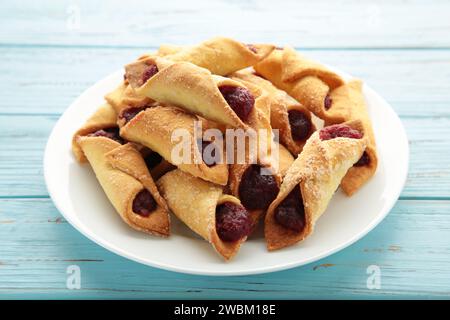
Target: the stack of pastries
pixel 324 139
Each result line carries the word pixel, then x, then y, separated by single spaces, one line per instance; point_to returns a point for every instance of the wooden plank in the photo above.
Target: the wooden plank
pixel 343 23
pixel 21 161
pixel 415 82
pixel 38 245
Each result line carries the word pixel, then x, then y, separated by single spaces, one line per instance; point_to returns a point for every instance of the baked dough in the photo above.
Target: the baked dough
pixel 122 173
pixel 104 117
pixel 280 105
pixel 219 55
pixel 154 127
pixel 124 97
pixel 307 81
pixel 318 171
pixel 187 86
pixel 236 173
pixel 285 160
pixel 194 202
pixel 348 100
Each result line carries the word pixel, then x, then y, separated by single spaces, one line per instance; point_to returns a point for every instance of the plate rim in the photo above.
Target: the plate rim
pixel 261 270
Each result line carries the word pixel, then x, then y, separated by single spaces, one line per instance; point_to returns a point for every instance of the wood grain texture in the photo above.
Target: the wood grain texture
pixel 401 48
pixel 316 24
pixel 38 246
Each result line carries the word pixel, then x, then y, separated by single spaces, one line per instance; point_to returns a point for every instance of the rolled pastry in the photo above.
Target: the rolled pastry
pixel 154 127
pixel 220 55
pixel 104 121
pixel 259 120
pixel 307 81
pixel 311 181
pixel 287 115
pixel 348 100
pixel 192 88
pixel 124 177
pixel 104 118
pixel 124 97
pixel 255 186
pixel 218 218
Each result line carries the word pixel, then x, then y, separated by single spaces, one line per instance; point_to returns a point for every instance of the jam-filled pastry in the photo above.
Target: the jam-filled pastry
pixel 126 181
pixel 287 115
pixel 194 89
pixel 311 181
pixel 124 97
pixel 220 55
pixel 259 120
pixel 156 164
pixel 218 218
pixel 348 100
pixel 307 81
pixel 256 187
pixel 102 122
pixel 154 127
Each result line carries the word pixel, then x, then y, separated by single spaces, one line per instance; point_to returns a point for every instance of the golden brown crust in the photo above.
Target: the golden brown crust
pixel 280 104
pixel 154 127
pixel 220 55
pixel 124 97
pixel 122 173
pixel 285 160
pixel 349 101
pixel 187 86
pixel 194 202
pixel 318 170
pixel 307 81
pixel 104 117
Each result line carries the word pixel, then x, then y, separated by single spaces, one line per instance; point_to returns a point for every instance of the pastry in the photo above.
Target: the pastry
pixel 228 131
pixel 255 186
pixel 218 218
pixel 305 80
pixel 155 127
pixel 311 181
pixel 124 97
pixel 105 119
pixel 124 177
pixel 259 120
pixel 219 55
pixel 192 88
pixel 348 100
pixel 287 115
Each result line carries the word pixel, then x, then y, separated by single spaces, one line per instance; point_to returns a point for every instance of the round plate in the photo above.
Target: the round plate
pixel 78 196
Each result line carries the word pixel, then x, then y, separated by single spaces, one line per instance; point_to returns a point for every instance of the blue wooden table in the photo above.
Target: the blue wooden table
pixel 50 51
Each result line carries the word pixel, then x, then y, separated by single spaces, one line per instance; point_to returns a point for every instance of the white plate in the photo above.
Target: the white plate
pixel 77 195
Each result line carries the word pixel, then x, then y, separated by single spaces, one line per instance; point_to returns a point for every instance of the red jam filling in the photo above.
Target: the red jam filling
pixel 300 125
pixel 256 190
pixel 143 203
pixel 338 131
pixel 110 133
pixel 149 72
pixel 239 99
pixel 290 213
pixel 233 222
